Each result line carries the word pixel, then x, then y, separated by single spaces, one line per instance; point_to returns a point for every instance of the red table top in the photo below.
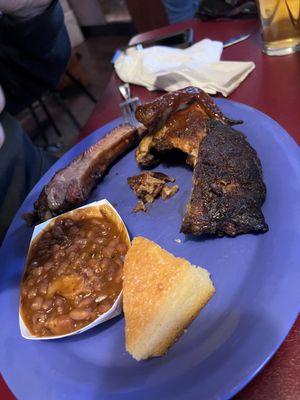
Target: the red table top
pixel 274 88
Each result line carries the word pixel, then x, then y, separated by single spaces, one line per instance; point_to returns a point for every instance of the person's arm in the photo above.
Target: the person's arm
pixel 2 104
pixel 24 8
pixel 34 50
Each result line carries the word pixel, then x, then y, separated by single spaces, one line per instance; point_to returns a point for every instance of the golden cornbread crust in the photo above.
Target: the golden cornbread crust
pixel 162 294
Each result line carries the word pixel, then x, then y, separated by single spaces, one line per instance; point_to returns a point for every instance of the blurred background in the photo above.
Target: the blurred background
pixel 96 29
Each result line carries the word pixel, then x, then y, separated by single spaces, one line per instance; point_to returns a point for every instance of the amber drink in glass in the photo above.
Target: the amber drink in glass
pixel 280 21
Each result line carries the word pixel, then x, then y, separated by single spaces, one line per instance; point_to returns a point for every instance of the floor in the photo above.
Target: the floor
pixel 95 55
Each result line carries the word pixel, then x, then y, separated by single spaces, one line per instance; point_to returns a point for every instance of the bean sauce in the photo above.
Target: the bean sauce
pixel 74 273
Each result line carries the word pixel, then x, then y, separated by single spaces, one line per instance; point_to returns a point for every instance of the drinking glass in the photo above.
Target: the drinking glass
pixel 280 21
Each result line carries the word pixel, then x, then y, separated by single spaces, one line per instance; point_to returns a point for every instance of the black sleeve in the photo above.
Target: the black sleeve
pixel 33 55
pixel 21 165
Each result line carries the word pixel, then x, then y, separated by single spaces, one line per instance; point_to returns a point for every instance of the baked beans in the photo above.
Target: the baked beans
pixel 73 274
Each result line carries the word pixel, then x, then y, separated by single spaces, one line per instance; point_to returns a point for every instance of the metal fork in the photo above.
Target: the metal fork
pixel 128 106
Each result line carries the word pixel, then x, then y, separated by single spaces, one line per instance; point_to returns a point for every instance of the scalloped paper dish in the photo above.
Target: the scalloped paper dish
pixel 95 208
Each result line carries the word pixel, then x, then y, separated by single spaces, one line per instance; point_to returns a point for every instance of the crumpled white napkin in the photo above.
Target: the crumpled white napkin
pixel 171 69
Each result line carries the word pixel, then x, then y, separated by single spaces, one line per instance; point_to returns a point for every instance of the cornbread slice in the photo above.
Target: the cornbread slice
pixel 162 294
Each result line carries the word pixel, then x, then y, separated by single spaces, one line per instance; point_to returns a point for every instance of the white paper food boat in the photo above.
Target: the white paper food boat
pixel 116 309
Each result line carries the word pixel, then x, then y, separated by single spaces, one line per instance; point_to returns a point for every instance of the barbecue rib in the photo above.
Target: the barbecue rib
pixel 71 186
pixel 176 121
pixel 228 189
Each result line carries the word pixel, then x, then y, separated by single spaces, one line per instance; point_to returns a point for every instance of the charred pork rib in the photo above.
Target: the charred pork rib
pixel 71 186
pixel 228 189
pixel 176 121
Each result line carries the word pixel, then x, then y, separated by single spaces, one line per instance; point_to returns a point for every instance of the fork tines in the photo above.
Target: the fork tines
pixel 128 108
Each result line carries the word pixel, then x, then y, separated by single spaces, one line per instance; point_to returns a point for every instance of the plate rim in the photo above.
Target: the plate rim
pixel 287 137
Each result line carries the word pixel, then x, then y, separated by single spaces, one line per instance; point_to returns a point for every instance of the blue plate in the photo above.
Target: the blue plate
pixel 256 279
